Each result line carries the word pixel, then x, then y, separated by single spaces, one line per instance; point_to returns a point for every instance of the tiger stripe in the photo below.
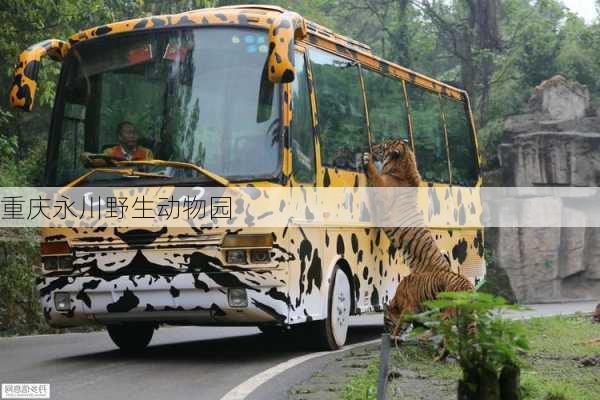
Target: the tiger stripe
pixel 417 288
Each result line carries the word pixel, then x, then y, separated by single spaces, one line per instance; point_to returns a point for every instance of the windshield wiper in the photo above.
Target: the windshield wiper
pixel 125 172
pixel 177 164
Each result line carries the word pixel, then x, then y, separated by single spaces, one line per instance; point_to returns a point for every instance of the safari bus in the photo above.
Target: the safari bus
pixel 238 96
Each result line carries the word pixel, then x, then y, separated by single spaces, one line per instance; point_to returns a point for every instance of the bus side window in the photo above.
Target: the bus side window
pixel 428 134
pixel 303 144
pixel 340 109
pixel 388 117
pixel 461 145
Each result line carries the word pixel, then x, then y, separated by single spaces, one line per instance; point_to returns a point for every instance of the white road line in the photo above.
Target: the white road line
pixel 246 388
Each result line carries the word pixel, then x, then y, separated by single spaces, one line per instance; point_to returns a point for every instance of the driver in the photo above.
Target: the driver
pixel 128 148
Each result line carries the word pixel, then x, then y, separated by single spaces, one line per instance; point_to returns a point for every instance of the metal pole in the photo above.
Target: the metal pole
pixel 384 359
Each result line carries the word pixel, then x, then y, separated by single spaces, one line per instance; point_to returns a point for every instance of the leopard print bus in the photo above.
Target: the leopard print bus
pixel 22 93
pixel 399 169
pixel 417 288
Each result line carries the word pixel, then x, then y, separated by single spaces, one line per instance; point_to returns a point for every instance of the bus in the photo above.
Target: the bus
pixel 239 96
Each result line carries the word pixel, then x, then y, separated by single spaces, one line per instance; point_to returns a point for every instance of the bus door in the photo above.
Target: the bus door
pixel 306 238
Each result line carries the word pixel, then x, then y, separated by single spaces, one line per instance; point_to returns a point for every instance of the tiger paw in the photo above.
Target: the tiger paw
pixel 366 159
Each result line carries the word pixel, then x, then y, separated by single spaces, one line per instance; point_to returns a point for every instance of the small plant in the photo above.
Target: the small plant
pixel 485 345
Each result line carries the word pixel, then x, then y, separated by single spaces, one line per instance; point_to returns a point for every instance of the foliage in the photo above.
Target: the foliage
pixel 19 309
pixel 482 341
pixel 499 50
pixel 492 343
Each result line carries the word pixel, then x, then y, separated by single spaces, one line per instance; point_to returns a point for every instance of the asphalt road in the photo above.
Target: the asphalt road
pixel 181 362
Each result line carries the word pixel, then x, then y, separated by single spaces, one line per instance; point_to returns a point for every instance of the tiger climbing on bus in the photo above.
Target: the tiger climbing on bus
pixel 399 169
pixel 430 269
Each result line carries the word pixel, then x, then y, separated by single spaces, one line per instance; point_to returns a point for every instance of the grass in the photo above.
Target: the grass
pixel 364 386
pixel 416 358
pixel 551 370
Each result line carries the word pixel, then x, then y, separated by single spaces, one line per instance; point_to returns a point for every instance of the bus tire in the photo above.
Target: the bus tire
pixel 131 338
pixel 330 333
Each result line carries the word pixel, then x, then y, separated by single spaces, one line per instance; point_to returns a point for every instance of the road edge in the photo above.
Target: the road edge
pixel 246 388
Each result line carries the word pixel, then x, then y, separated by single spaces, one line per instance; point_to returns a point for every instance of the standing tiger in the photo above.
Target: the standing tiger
pixel 399 169
pixel 416 288
pixel 430 270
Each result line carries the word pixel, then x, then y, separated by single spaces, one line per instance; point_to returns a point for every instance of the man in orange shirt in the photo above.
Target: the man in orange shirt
pixel 128 149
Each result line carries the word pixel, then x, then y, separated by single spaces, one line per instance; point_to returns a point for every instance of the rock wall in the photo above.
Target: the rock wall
pixel 556 143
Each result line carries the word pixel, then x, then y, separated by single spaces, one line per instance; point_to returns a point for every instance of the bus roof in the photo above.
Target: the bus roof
pixel 262 16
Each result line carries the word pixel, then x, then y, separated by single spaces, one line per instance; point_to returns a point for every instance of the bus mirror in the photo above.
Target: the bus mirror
pixel 283 33
pixel 22 93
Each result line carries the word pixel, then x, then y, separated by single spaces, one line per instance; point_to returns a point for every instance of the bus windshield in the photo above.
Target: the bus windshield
pixel 198 96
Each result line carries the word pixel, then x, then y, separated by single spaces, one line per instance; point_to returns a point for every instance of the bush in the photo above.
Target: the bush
pixel 485 345
pixel 19 309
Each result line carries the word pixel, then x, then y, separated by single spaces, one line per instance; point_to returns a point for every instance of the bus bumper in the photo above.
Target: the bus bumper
pixel 183 299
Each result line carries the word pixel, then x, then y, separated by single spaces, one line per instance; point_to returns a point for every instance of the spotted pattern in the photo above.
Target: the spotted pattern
pixel 285 28
pixel 23 90
pixel 158 274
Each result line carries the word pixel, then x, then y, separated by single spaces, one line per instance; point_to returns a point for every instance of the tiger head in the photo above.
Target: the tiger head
pixel 391 318
pixel 396 158
pixel 389 322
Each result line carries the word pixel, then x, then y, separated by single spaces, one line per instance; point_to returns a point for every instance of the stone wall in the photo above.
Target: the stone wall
pixel 555 143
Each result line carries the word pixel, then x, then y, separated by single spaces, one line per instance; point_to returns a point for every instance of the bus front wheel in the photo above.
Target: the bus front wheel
pixel 131 338
pixel 330 333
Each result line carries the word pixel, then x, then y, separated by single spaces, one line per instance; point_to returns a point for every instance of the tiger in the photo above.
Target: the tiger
pixel 430 269
pixel 416 288
pixel 399 169
pixel 597 313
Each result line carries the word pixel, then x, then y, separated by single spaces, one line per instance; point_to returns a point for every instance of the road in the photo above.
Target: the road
pixel 181 363
pixel 551 309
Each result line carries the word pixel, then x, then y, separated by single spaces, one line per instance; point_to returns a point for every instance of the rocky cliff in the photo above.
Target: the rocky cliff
pixel 555 143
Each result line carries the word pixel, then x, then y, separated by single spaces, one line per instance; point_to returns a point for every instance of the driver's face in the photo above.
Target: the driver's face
pixel 128 136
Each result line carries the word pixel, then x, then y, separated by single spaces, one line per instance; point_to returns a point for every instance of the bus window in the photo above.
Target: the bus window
pixel 303 145
pixel 340 109
pixel 463 157
pixel 388 117
pixel 428 134
pixel 118 103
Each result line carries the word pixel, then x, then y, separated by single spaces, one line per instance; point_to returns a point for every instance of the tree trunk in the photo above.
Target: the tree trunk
pixel 479 384
pixel 489 387
pixel 510 382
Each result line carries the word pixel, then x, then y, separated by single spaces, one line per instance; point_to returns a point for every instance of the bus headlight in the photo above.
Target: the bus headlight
pixel 260 255
pixel 236 256
pixel 62 301
pixel 247 248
